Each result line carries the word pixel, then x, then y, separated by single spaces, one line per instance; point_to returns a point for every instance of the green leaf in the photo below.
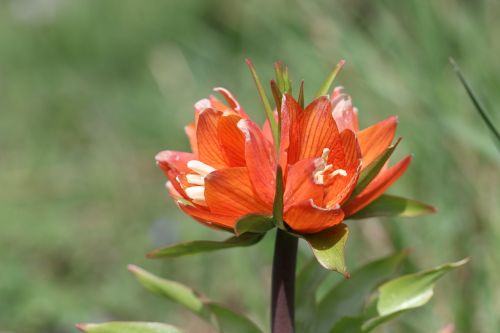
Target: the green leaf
pixel 348 325
pixel 390 205
pixel 407 292
pixel 224 319
pixel 348 296
pixel 127 327
pixel 308 280
pixel 193 247
pixel 253 223
pixel 264 100
pixel 172 290
pixel 278 200
pixel 329 80
pixel 372 170
pixel 477 103
pixel 328 247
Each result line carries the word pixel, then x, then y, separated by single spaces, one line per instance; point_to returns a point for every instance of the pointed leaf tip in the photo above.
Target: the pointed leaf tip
pixel 323 90
pixel 329 248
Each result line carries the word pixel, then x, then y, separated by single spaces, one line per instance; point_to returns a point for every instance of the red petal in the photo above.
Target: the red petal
pixel 307 218
pixel 341 187
pixel 209 148
pixel 317 129
pixel 260 160
pixel 375 139
pixel 300 185
pixel 175 160
pixel 231 100
pixel 191 134
pixel 231 139
pixel 204 216
pixel 290 131
pixel 378 186
pixel 229 192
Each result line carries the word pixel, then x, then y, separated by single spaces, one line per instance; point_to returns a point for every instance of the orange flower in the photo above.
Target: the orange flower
pixel 231 171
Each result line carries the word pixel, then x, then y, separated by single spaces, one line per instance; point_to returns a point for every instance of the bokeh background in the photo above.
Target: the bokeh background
pixel 91 90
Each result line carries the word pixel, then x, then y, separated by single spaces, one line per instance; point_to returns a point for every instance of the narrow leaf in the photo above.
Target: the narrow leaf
pixel 407 292
pixel 328 247
pixel 348 296
pixel 254 224
pixel 372 170
pixel 264 100
pixel 477 103
pixel 193 247
pixel 223 318
pixel 276 95
pixel 278 200
pixel 172 290
pixel 329 80
pixel 391 206
pixel 127 327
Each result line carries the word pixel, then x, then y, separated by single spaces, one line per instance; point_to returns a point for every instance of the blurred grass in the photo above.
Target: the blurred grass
pixel 91 90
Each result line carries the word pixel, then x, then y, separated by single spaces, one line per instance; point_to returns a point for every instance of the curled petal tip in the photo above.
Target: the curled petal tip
pixel 81 327
pixel 132 268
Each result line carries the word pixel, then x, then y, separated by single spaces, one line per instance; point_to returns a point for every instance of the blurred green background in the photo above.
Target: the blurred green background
pixel 91 90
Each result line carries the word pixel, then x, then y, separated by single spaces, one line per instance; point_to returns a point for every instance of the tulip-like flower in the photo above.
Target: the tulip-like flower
pixel 231 171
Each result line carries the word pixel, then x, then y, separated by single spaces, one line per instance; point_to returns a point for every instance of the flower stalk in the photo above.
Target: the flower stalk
pixel 283 283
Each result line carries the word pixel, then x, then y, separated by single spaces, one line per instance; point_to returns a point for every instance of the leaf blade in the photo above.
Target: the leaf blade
pixel 194 247
pixel 128 327
pixel 253 223
pixel 391 206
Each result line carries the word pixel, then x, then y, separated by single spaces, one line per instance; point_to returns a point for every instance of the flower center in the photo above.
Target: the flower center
pixel 197 192
pixel 325 171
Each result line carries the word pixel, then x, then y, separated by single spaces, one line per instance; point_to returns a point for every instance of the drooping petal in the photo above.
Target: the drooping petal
pixel 205 216
pixel 306 217
pixel 209 148
pixel 176 160
pixel 231 100
pixel 318 129
pixel 300 185
pixel 260 160
pixel 344 113
pixel 174 165
pixel 190 131
pixel 231 139
pixel 375 139
pixel 230 192
pixel 378 186
pixel 340 187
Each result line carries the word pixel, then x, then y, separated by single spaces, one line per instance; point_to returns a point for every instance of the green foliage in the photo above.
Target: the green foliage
pixel 91 90
pixel 328 247
pixel 254 224
pixel 223 318
pixel 199 246
pixel 128 327
pixel 392 206
pixel 351 306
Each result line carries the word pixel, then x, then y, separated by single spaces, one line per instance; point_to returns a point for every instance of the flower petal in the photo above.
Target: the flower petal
pixel 340 187
pixel 378 186
pixel 174 160
pixel 231 100
pixel 375 139
pixel 206 217
pixel 209 148
pixel 190 131
pixel 300 185
pixel 260 160
pixel 306 217
pixel 344 113
pixel 290 131
pixel 230 192
pixel 232 141
pixel 318 129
